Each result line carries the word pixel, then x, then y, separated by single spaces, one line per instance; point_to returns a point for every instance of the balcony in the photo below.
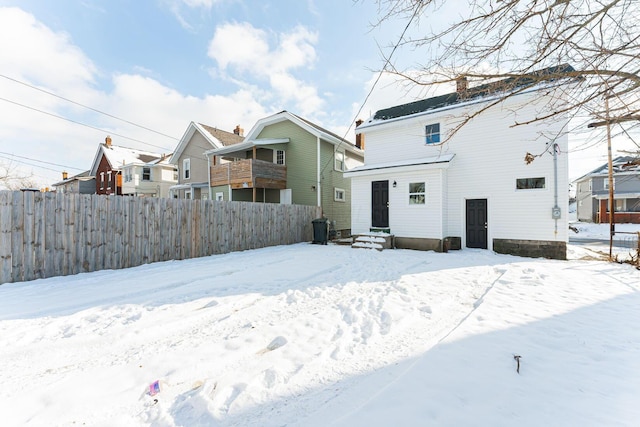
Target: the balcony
pixel 250 173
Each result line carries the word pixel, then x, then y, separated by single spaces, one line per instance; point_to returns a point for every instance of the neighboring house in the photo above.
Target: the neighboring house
pixel 287 159
pixel 83 183
pixel 151 179
pixel 192 163
pixel 108 164
pixel 435 189
pixel 592 192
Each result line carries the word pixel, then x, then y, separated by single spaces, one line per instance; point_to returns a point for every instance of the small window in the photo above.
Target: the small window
pixel 109 179
pixel 339 161
pixel 175 175
pixel 432 133
pixel 529 183
pixel 220 197
pixel 187 194
pixel 339 195
pixel 146 174
pixel 101 180
pixel 279 157
pixel 186 168
pixel 606 183
pixel 417 193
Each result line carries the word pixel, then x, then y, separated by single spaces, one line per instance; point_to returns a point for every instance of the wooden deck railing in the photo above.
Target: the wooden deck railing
pixel 249 173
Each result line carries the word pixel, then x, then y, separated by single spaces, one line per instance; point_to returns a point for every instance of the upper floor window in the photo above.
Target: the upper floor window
pixel 279 157
pixel 417 194
pixel 101 180
pixel 530 183
pixel 186 168
pixel 146 174
pixel 432 133
pixel 109 179
pixel 175 175
pixel 339 161
pixel 606 183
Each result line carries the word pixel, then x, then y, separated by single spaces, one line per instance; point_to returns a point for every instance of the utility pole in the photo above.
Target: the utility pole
pixel 612 226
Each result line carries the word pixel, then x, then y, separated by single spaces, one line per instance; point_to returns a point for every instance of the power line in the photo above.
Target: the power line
pixel 28 164
pixel 39 161
pixel 395 47
pixel 81 124
pixel 88 107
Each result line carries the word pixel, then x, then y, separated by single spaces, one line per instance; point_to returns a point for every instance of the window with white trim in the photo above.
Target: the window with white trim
pixel 432 133
pixel 108 179
pixel 339 161
pixel 220 196
pixel 417 193
pixel 146 174
pixel 186 168
pixel 278 157
pixel 101 180
pixel 339 195
pixel 530 183
pixel 606 183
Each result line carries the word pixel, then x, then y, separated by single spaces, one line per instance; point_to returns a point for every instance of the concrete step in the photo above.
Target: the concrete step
pixel 377 241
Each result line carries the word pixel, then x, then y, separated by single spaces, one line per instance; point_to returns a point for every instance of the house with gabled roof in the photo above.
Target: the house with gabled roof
pixel 192 163
pixel 433 184
pixel 592 192
pixel 285 158
pixel 82 183
pixel 149 179
pixel 110 161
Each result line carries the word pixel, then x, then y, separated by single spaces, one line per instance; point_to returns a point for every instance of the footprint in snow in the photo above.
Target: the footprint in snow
pixel 274 345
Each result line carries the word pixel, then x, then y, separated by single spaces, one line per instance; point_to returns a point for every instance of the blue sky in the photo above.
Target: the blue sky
pixel 164 63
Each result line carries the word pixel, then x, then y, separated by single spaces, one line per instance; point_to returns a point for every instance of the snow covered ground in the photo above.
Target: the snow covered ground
pixel 314 335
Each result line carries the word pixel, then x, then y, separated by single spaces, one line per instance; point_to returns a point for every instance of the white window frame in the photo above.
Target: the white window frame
pixel 544 178
pixel 336 158
pixel 219 196
pixel 415 195
pixel 432 137
pixel 108 180
pixel 186 169
pixel 143 168
pixel 339 194
pixel 606 183
pixel 102 180
pixel 275 157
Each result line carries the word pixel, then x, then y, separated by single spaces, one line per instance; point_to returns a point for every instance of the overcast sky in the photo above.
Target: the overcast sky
pixel 160 64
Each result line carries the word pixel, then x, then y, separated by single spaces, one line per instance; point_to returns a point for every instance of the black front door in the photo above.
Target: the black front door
pixel 477 223
pixel 380 204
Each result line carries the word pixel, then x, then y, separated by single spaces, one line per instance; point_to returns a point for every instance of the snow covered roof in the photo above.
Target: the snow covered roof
pixel 443 159
pixel 621 164
pixel 119 156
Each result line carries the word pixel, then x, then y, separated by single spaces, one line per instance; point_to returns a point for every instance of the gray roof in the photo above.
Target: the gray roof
pixel 505 85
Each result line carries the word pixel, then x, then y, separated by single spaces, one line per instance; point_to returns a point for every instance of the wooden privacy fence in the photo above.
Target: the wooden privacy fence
pixel 55 234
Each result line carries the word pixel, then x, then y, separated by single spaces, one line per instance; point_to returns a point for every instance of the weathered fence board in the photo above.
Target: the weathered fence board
pixel 55 234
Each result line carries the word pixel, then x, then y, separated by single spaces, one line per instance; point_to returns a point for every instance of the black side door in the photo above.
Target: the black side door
pixel 477 223
pixel 380 204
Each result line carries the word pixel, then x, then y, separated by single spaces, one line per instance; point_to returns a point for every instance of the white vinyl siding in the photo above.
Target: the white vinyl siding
pixel 483 167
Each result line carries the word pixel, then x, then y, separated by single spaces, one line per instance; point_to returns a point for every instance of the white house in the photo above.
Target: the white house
pixel 150 179
pixel 434 184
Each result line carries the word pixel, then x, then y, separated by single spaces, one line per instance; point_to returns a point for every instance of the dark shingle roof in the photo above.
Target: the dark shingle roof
pixel 505 85
pixel 227 138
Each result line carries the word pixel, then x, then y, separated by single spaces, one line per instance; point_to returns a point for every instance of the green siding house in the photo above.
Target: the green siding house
pixel 287 159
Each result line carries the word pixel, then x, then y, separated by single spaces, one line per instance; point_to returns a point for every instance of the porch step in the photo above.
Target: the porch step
pixel 377 241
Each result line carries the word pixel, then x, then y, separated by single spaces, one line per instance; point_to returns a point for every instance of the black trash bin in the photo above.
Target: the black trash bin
pixel 320 231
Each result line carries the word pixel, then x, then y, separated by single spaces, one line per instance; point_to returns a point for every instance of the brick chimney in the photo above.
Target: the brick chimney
pixel 359 136
pixel 64 175
pixel 238 131
pixel 107 141
pixel 461 85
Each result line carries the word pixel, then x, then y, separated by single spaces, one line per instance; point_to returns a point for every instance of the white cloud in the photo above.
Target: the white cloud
pixel 240 50
pixel 37 55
